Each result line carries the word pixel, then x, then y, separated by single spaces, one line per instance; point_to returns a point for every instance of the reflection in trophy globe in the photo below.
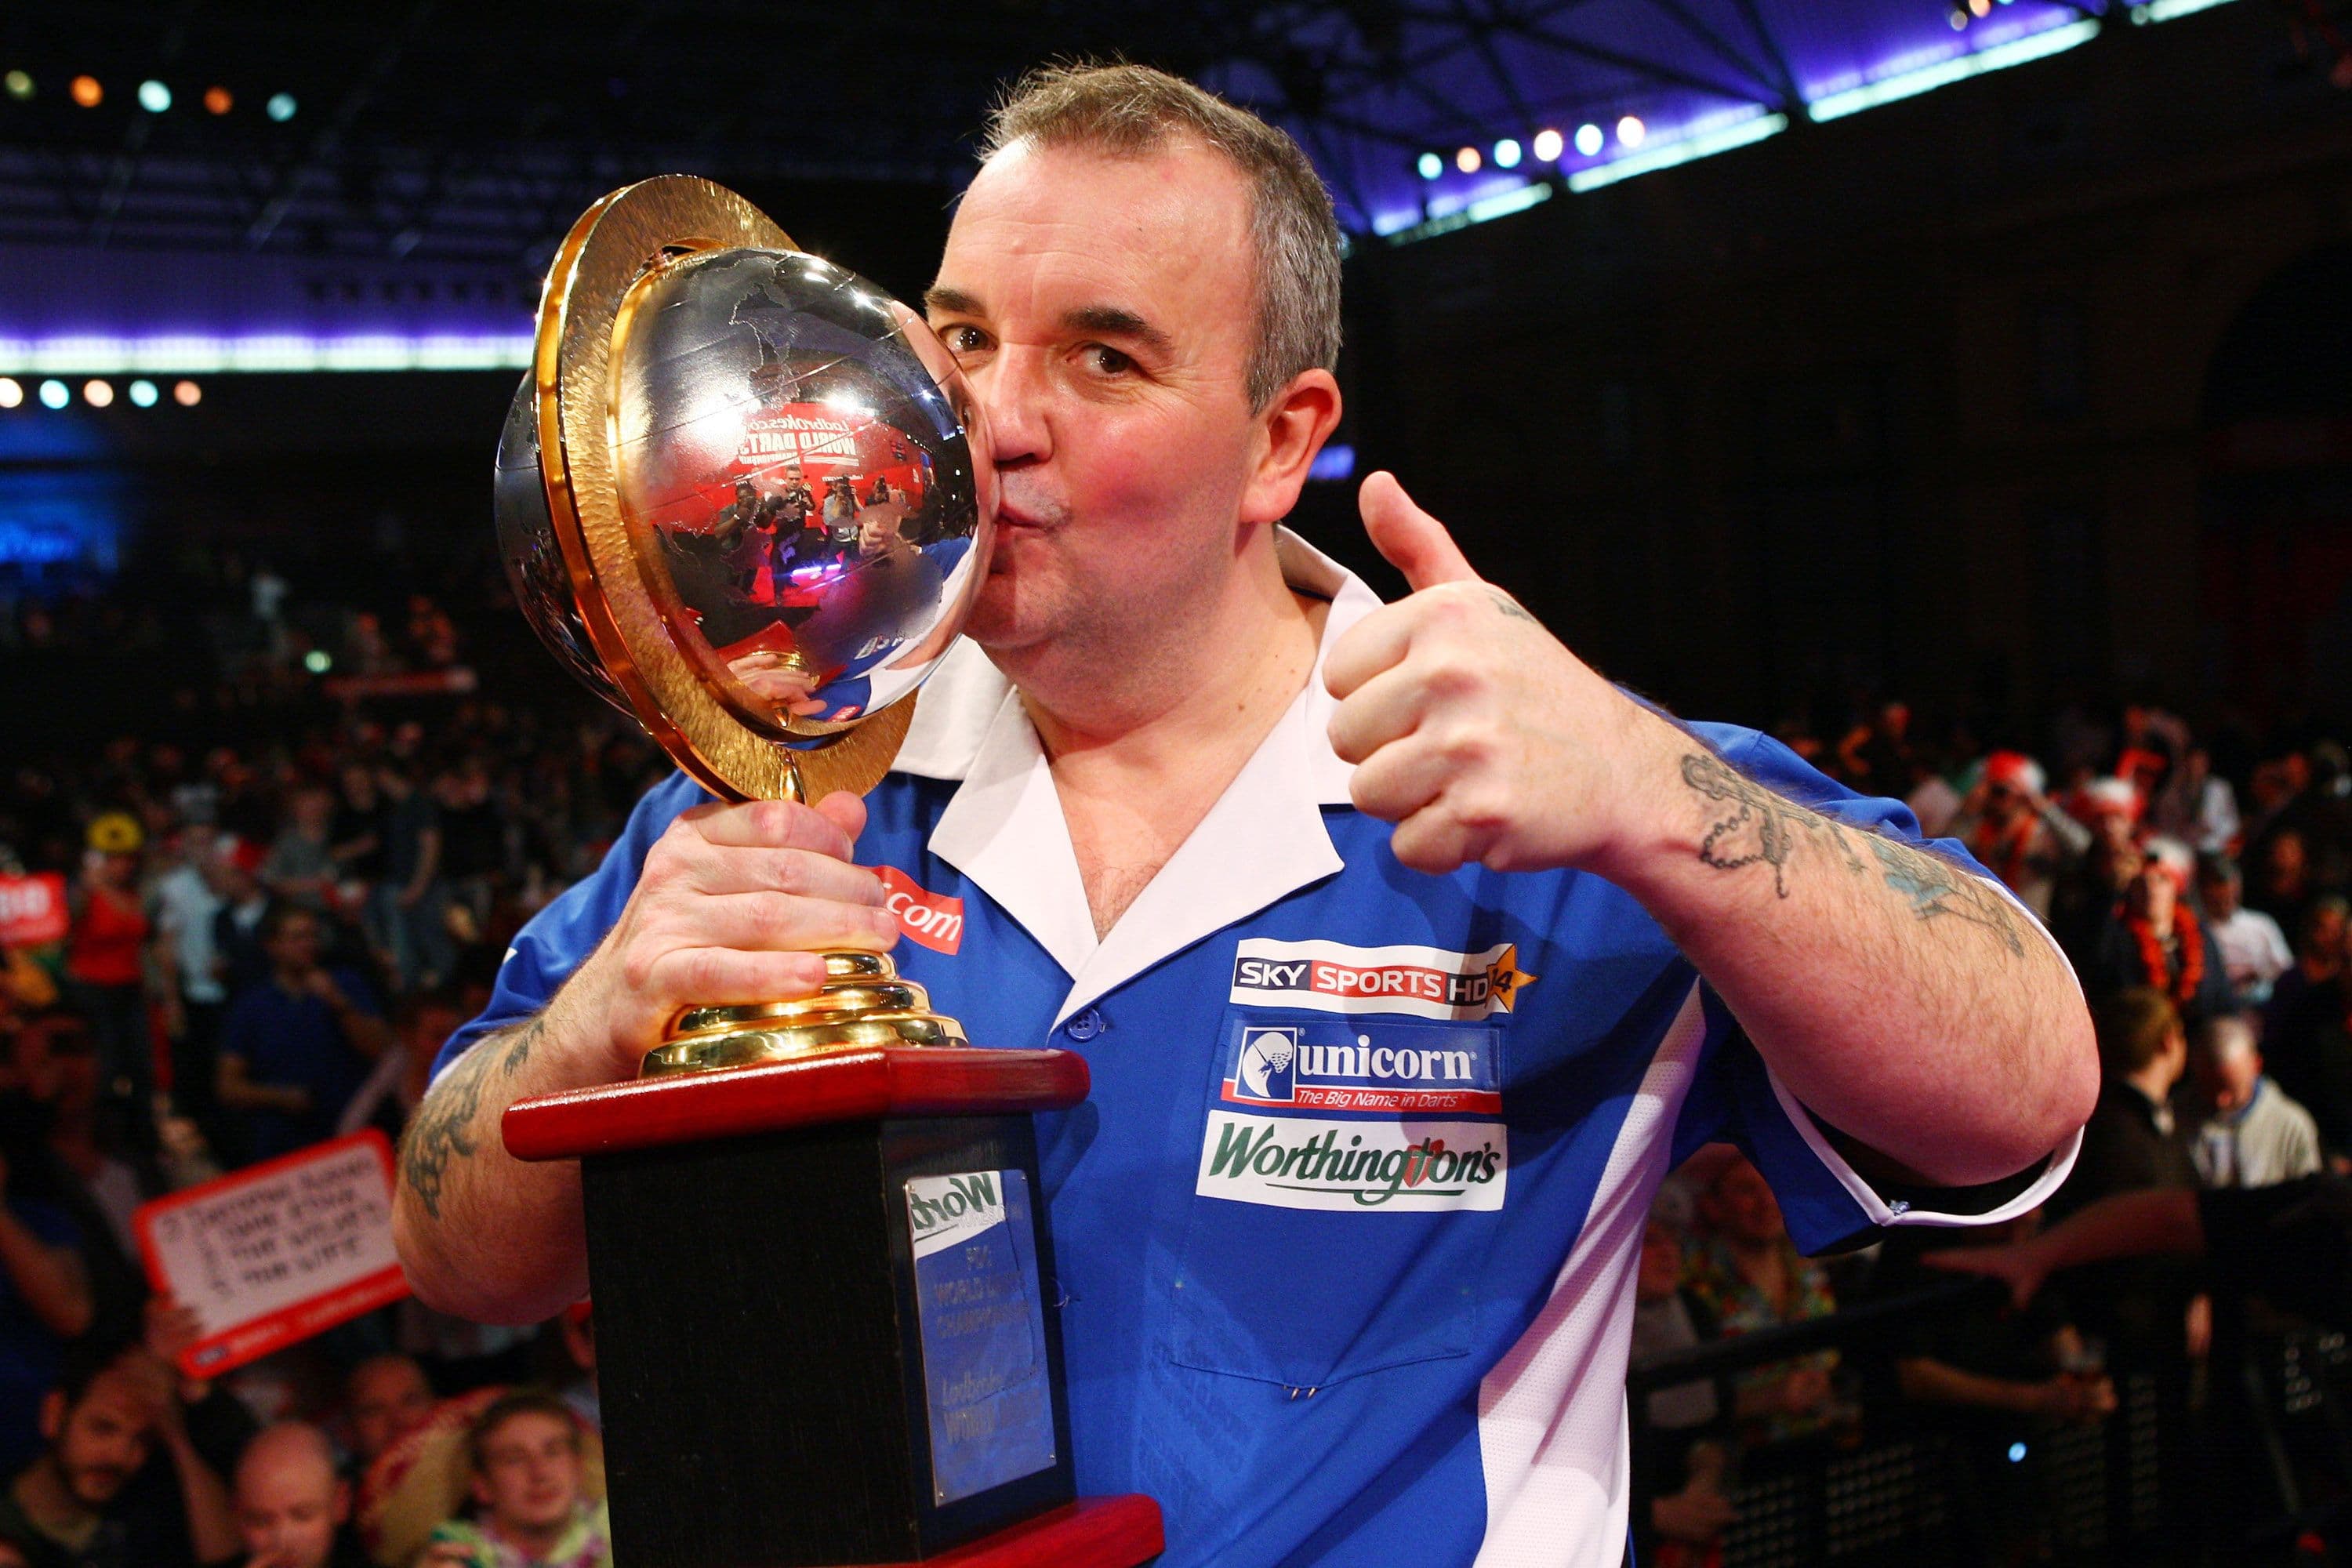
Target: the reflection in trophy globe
pixel 808 500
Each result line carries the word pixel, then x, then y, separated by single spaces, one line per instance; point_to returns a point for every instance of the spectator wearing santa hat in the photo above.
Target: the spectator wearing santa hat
pixel 2086 898
pixel 2017 833
pixel 2154 939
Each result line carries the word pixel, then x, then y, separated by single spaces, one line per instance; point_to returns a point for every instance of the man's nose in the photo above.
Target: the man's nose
pixel 1013 389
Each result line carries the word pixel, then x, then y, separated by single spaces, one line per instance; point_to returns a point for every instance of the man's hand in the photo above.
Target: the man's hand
pixel 2019 1265
pixel 1473 729
pixel 735 905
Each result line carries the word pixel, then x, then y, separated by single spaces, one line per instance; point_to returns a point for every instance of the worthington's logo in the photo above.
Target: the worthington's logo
pixel 1427 982
pixel 1354 1166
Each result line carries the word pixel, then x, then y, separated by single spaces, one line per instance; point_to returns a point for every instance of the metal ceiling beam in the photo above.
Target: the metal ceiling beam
pixel 1792 95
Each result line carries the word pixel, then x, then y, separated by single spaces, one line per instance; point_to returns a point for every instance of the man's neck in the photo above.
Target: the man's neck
pixel 534 1541
pixel 2155 1086
pixel 41 1491
pixel 1143 743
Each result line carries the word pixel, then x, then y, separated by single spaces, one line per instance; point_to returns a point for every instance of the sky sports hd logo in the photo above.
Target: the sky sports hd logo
pixel 1425 982
pixel 1384 1068
pixel 1353 1167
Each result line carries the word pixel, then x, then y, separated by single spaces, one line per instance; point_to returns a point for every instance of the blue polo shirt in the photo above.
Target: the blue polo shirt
pixel 1346 1230
pixel 295 1039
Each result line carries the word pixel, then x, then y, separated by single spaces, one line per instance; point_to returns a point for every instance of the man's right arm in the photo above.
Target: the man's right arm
pixel 732 906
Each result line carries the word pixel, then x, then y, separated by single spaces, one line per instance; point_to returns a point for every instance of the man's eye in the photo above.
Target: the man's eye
pixel 963 339
pixel 1104 360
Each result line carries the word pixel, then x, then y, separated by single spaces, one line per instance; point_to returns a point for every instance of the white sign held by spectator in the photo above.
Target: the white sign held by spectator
pixel 278 1252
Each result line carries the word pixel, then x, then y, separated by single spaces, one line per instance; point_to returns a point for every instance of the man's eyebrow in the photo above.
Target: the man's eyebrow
pixel 1112 322
pixel 950 301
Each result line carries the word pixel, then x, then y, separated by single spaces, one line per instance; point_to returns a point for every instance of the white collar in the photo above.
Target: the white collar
pixel 1264 838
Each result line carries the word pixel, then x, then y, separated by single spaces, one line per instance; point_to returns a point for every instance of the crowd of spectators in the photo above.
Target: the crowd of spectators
pixel 267 936
pixel 2203 910
pixel 280 906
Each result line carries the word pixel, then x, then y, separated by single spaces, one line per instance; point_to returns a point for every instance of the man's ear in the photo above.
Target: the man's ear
pixel 1293 429
pixel 53 1415
pixel 481 1489
pixel 340 1511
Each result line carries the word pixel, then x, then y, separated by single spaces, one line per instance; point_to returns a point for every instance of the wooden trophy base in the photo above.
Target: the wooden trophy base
pixel 825 1324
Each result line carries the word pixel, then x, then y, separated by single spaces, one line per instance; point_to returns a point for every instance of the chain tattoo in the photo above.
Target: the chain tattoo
pixel 1761 828
pixel 443 1132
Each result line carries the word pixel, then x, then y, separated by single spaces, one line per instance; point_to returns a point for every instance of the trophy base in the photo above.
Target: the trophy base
pixel 825 1313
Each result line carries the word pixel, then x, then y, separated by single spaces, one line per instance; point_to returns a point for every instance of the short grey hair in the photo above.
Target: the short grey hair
pixel 1131 110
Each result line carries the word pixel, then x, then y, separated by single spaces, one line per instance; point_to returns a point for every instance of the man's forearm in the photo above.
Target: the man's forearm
pixel 212 1534
pixel 482 1234
pixel 1904 1000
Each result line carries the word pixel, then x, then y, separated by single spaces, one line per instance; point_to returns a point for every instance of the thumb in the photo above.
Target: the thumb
pixel 1412 540
pixel 846 811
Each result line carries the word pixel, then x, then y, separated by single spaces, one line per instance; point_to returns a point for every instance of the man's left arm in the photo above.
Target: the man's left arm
pixel 1899 998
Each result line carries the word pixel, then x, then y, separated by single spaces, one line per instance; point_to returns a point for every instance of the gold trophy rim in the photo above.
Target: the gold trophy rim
pixel 620 242
pixel 624 240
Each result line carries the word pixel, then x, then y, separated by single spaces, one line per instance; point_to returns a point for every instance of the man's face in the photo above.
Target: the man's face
pixel 2227 1077
pixel 2221 896
pixel 102 1442
pixel 389 1399
pixel 295 943
pixel 530 1474
pixel 1104 310
pixel 1660 1271
pixel 288 1511
pixel 2153 893
pixel 1742 1206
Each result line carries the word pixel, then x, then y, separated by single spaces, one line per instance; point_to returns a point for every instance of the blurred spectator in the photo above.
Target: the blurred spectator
pixel 386 1398
pixel 302 868
pixel 2307 1028
pixel 106 960
pixel 1688 1511
pixel 44 1303
pixel 2016 833
pixel 529 1504
pixel 2253 949
pixel 2282 885
pixel 2131 1144
pixel 292 1510
pixel 2153 939
pixel 188 901
pixel 1747 1275
pixel 2252 1134
pixel 408 910
pixel 296 1046
pixel 74 1507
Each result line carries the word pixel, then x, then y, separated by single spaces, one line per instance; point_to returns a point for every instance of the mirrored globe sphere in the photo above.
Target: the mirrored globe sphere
pixel 800 467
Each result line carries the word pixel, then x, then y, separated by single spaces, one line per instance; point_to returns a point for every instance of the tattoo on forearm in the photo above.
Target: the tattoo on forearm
pixel 1760 827
pixel 1934 888
pixel 443 1132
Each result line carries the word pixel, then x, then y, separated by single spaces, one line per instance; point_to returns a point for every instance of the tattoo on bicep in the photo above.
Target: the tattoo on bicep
pixel 443 1132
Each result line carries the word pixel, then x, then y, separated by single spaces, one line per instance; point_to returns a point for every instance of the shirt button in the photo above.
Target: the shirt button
pixel 1085 1025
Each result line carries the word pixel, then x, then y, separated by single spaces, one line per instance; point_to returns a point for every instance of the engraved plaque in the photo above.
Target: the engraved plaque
pixel 982 1330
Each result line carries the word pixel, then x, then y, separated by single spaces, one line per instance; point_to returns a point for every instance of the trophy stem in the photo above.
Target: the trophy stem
pixel 864 1002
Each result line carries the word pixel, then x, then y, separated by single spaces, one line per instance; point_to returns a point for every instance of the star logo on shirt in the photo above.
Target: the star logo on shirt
pixel 1505 979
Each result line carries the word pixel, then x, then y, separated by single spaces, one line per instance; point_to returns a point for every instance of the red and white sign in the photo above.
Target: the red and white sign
pixel 933 920
pixel 278 1252
pixel 33 910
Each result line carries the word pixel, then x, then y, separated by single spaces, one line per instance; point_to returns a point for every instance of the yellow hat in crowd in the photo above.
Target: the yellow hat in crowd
pixel 116 833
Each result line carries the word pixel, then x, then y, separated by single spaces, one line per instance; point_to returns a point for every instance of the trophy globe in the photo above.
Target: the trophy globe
pixel 745 495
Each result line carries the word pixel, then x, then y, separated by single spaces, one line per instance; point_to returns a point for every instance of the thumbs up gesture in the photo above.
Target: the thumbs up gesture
pixel 1475 729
